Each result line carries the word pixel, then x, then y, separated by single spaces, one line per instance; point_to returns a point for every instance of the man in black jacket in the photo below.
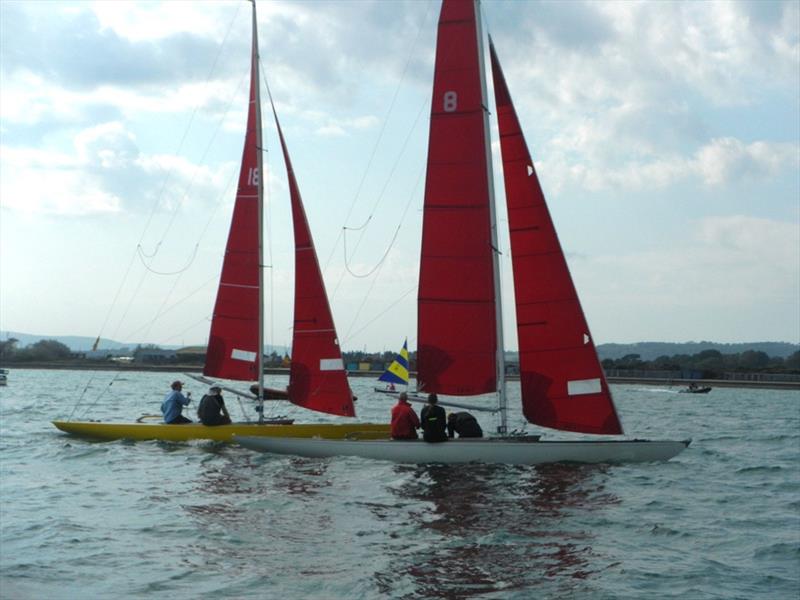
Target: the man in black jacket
pixel 212 409
pixel 464 424
pixel 434 421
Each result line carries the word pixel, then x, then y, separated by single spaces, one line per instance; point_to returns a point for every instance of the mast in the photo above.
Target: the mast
pixel 498 304
pixel 259 165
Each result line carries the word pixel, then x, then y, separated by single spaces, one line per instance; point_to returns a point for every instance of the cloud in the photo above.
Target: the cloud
pixel 737 277
pixel 659 93
pixel 721 162
pixel 107 173
pixel 341 128
pixel 70 47
pixel 735 259
pixel 725 160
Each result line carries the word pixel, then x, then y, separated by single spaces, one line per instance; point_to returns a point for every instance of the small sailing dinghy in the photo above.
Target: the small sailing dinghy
pixel 396 373
pixel 459 327
pixel 317 378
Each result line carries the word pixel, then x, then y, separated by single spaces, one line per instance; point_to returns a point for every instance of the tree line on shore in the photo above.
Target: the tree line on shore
pixel 708 363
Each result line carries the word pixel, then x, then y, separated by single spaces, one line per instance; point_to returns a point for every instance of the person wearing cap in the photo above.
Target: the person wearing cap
pixel 173 404
pixel 211 410
pixel 434 421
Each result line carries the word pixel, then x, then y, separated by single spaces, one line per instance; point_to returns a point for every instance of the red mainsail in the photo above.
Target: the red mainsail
pixel 234 339
pixel 317 379
pixel 456 326
pixel 563 384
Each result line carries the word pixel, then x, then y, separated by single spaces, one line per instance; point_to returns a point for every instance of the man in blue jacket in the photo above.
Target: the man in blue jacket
pixel 173 404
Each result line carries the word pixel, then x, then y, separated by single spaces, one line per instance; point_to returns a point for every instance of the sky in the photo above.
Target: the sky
pixel 666 136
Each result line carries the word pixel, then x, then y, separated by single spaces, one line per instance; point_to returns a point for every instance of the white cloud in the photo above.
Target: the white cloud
pixel 157 20
pixel 343 126
pixel 737 273
pixel 722 161
pixel 107 173
pixel 727 159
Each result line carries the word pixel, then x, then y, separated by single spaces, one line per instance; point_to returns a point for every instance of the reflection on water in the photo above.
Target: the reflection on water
pixel 500 528
pixel 456 531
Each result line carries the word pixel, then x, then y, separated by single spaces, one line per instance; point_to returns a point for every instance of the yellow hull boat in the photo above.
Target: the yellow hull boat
pixel 222 433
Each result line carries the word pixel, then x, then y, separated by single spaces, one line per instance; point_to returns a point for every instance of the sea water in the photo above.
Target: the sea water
pixel 82 519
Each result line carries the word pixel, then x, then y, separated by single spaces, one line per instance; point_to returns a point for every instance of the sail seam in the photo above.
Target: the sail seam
pixel 453 301
pixel 238 285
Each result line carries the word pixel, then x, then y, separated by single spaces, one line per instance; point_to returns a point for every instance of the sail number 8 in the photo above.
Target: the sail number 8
pixel 252 176
pixel 450 101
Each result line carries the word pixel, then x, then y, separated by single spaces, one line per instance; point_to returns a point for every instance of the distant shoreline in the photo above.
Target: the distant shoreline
pixel 730 383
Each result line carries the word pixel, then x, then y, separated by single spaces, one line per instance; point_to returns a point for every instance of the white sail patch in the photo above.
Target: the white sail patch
pixel 331 364
pixel 584 386
pixel 244 355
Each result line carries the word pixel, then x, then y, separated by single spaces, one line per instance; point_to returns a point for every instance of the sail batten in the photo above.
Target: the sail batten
pixel 562 381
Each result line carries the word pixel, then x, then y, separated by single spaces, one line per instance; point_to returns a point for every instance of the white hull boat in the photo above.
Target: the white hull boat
pixel 528 450
pixel 460 344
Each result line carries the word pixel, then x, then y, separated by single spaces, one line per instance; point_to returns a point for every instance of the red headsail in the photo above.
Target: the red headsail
pixel 317 379
pixel 563 384
pixel 456 328
pixel 233 341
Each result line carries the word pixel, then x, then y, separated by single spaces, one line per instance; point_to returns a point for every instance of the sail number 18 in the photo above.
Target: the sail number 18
pixel 252 176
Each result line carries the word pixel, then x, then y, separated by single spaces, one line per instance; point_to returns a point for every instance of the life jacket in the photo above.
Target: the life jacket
pixel 434 423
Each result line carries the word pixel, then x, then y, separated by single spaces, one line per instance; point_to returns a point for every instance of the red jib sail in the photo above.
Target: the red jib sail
pixel 233 342
pixel 317 379
pixel 456 327
pixel 563 385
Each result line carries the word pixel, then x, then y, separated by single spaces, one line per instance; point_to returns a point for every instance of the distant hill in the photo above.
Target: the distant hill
pixel 646 350
pixel 652 350
pixel 78 343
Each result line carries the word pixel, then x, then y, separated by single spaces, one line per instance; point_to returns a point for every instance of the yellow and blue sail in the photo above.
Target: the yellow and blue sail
pixel 397 372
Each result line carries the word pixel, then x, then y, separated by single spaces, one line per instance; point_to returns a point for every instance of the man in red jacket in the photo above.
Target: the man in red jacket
pixel 404 420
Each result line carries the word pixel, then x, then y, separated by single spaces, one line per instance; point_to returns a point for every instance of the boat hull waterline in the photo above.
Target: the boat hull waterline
pixel 513 451
pixel 219 433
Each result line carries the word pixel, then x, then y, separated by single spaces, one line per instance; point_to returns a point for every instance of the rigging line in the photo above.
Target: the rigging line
pixel 391 174
pixel 268 178
pixel 160 310
pixel 412 47
pixel 380 262
pixel 175 305
pixel 99 396
pixel 163 186
pixel 200 236
pixel 201 162
pixel 383 191
pixel 142 252
pixel 378 316
pixel 180 333
pixel 83 393
pixel 179 271
pixel 375 281
pixel 189 125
